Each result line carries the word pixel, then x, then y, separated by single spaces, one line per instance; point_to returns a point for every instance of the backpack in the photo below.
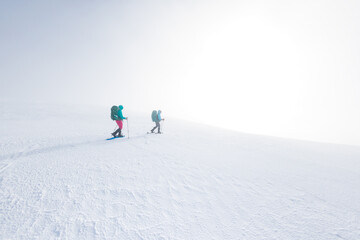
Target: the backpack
pixel 114 113
pixel 154 116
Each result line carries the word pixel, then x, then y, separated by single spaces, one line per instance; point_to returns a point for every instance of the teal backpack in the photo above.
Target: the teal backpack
pixel 154 116
pixel 114 113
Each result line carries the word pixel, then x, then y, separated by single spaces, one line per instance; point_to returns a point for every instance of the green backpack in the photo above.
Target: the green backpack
pixel 154 116
pixel 114 113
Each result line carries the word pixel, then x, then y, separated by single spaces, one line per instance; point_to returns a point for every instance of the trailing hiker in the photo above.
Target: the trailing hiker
pixel 156 117
pixel 116 115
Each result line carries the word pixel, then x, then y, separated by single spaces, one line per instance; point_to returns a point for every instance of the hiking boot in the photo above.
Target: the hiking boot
pixel 116 132
pixel 119 135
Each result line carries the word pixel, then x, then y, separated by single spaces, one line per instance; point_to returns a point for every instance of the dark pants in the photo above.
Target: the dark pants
pixel 157 126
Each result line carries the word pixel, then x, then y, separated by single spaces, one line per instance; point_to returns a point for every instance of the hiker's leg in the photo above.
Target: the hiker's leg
pixel 152 130
pixel 158 125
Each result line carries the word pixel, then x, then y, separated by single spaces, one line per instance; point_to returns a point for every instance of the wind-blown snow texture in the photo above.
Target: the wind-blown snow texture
pixel 60 179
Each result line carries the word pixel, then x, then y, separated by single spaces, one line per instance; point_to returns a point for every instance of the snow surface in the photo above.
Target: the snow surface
pixel 60 179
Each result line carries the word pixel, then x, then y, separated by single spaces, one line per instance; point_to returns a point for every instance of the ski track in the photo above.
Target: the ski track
pixel 176 186
pixel 34 149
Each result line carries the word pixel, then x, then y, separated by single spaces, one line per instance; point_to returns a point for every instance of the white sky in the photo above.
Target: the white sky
pixel 282 68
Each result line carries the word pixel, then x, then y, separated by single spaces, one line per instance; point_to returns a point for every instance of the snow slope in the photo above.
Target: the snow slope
pixel 60 179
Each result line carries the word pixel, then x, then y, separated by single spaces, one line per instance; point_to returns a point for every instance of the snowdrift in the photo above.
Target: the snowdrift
pixel 60 179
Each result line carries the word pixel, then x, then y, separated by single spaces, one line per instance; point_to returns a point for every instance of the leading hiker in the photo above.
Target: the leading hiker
pixel 156 117
pixel 116 115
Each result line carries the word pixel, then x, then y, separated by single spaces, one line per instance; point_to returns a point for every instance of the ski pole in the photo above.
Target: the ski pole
pixel 127 124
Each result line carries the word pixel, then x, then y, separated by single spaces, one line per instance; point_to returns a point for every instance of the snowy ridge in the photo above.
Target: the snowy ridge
pixel 60 179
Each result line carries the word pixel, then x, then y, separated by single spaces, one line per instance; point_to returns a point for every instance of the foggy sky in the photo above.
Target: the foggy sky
pixel 282 68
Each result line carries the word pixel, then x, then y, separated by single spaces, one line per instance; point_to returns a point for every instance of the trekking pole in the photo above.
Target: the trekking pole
pixel 127 124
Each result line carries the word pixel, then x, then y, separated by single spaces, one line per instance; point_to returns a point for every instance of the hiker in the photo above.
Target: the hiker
pixel 156 117
pixel 116 115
